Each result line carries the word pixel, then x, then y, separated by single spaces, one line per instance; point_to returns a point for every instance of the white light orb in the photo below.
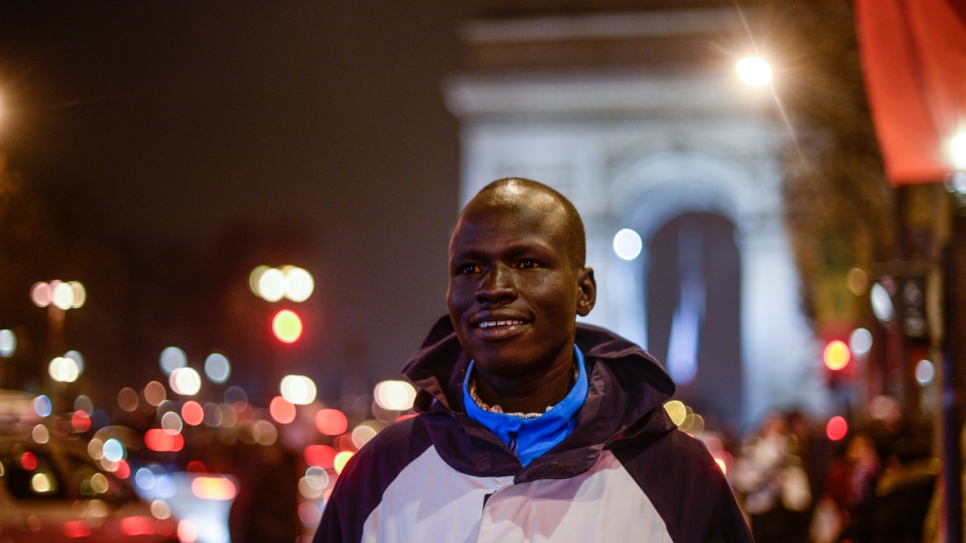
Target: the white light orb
pixel 62 296
pixel 171 423
pixel 217 367
pixel 80 294
pixel 957 150
pixel 77 358
pixel 881 303
pixel 271 285
pixel 628 244
pixel 298 389
pixel 8 343
pixel 172 358
pixel 394 395
pixel 860 341
pixel 362 434
pixel 925 372
pixel 754 71
pixel 63 370
pixel 298 284
pixel 113 450
pixel 185 381
pixel 255 277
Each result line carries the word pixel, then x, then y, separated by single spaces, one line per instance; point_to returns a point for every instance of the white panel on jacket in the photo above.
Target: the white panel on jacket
pixel 429 501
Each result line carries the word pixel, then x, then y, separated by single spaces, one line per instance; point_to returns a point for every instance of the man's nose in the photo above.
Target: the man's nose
pixel 496 286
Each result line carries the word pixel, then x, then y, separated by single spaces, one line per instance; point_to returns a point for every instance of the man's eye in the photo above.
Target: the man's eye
pixel 467 269
pixel 527 264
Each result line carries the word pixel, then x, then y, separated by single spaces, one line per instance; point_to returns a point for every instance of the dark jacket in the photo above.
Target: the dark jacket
pixel 625 473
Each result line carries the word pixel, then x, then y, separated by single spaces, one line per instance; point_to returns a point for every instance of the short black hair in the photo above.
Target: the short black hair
pixel 576 236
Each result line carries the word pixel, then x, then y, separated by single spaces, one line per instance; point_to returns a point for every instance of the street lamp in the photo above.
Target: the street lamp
pixel 754 71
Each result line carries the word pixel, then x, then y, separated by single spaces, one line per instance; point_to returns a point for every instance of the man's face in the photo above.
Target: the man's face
pixel 514 292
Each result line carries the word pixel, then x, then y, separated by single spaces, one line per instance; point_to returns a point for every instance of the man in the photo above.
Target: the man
pixel 530 427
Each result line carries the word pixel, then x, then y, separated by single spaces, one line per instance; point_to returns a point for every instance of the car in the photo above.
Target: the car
pixel 53 491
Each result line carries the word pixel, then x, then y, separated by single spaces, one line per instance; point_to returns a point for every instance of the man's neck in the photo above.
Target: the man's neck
pixel 527 393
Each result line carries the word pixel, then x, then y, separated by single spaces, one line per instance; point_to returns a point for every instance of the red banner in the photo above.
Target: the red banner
pixel 914 62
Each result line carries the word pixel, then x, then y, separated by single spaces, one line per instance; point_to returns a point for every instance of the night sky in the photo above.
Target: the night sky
pixel 170 123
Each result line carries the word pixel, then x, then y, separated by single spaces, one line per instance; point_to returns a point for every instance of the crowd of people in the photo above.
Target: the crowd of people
pixel 876 484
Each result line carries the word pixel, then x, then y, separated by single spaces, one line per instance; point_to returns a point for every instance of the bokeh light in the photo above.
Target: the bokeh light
pixel 282 411
pixel 63 370
pixel 628 244
pixel 78 359
pixel 8 343
pixel 322 456
pixel 957 150
pixel 217 367
pixel 80 294
pixel 185 381
pixel 394 395
pixel 362 434
pixel 309 513
pixel 860 341
pixel 340 460
pixel 42 406
pixel 858 281
pixel 113 450
pixel 287 326
pixel 881 303
pixel 40 294
pixel 271 285
pixel 213 488
pixel 172 358
pixel 61 295
pixel 80 421
pixel 298 284
pixel 837 428
pixel 836 355
pixel 331 422
pixel 127 399
pixel 187 532
pixel 83 403
pixel 158 440
pixel 298 389
pixel 192 413
pixel 40 434
pixel 154 393
pixel 254 277
pixel 754 71
pixel 677 411
pixel 925 372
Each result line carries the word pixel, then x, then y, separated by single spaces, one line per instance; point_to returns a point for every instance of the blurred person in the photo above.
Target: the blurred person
pixel 845 511
pixel 904 489
pixel 773 484
pixel 531 427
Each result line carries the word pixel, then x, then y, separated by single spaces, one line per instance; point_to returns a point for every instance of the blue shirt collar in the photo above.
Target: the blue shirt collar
pixel 529 438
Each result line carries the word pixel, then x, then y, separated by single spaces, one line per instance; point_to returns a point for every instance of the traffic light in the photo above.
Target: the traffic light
pixel 287 326
pixel 837 355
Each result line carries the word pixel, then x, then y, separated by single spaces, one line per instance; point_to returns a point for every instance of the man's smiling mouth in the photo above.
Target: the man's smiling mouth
pixel 491 324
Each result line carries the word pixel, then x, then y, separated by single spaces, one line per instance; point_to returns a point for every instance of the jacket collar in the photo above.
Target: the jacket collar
pixel 626 384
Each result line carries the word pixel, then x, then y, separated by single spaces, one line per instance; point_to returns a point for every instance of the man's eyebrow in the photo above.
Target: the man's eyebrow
pixel 511 250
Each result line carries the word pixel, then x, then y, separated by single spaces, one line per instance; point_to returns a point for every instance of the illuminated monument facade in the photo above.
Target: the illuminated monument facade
pixel 626 115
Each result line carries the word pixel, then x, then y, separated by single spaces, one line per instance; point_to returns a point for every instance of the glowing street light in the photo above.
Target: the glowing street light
pixel 754 71
pixel 957 150
pixel 69 295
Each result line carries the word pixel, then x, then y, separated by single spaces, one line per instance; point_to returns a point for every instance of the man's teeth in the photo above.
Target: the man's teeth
pixel 490 324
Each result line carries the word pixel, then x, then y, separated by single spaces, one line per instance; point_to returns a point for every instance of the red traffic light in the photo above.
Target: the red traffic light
pixel 287 326
pixel 837 355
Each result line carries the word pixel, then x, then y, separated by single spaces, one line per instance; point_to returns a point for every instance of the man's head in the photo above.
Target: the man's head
pixel 517 278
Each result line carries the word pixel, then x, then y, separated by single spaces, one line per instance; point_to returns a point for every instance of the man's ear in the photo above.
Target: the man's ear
pixel 586 291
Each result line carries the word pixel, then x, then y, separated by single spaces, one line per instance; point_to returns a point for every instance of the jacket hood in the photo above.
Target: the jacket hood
pixel 626 383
